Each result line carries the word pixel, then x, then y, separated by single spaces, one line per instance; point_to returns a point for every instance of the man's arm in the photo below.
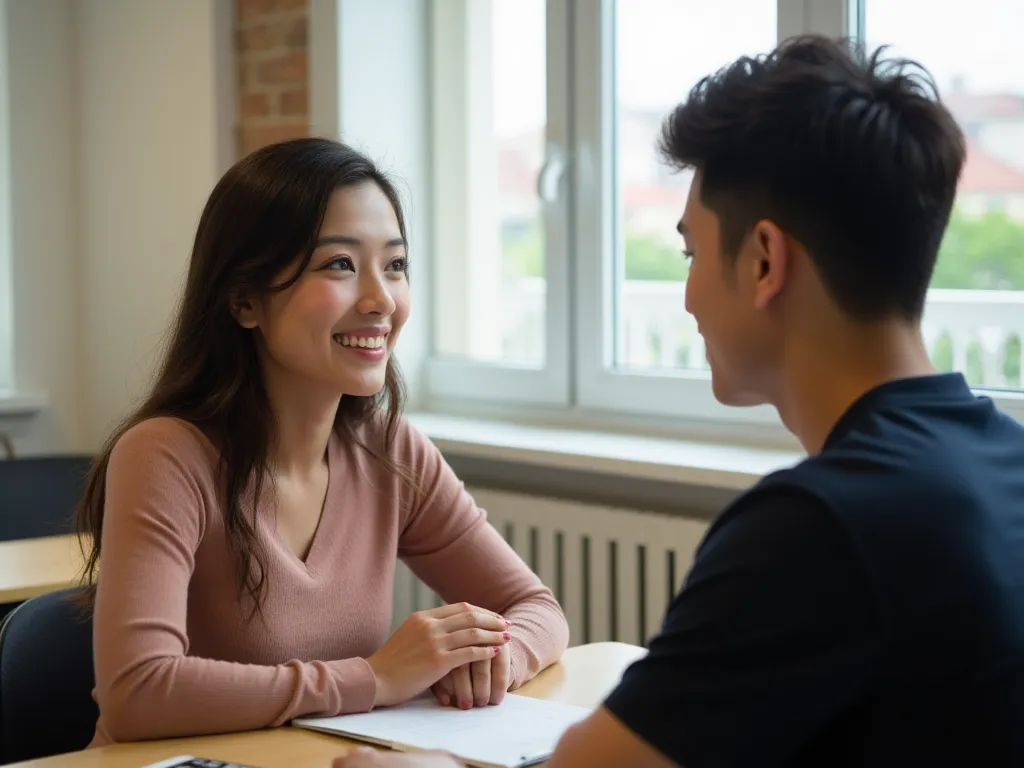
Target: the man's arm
pixel 773 637
pixel 602 741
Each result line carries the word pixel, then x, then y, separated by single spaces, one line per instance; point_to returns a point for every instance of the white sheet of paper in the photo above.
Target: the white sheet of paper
pixel 518 731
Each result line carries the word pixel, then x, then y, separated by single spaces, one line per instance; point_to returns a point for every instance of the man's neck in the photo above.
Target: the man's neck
pixel 824 380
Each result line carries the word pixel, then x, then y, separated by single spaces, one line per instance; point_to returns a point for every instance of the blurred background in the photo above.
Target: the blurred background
pixel 546 267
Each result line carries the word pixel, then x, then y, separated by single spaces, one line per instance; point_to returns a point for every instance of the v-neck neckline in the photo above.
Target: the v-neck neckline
pixel 322 523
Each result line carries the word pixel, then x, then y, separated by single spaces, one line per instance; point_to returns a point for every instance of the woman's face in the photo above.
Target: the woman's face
pixel 336 326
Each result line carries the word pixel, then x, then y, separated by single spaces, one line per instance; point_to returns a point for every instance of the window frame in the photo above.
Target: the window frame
pixel 675 394
pixel 462 379
pixel 578 381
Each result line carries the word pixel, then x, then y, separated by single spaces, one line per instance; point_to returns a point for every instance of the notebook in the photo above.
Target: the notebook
pixel 518 732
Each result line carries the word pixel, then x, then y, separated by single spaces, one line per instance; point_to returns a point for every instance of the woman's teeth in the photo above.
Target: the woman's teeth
pixel 366 342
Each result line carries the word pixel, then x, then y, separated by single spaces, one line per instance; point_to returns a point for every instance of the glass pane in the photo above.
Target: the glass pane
pixel 496 310
pixel 974 321
pixel 663 47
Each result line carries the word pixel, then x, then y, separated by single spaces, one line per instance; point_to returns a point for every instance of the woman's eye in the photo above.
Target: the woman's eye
pixel 688 255
pixel 400 264
pixel 341 262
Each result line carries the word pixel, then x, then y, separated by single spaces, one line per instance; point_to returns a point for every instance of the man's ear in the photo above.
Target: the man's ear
pixel 771 254
pixel 244 312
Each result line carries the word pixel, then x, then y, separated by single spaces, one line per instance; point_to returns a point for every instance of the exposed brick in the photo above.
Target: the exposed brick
pixel 271 47
pixel 295 102
pixel 253 9
pixel 247 79
pixel 255 105
pixel 295 33
pixel 255 136
pixel 259 37
pixel 285 69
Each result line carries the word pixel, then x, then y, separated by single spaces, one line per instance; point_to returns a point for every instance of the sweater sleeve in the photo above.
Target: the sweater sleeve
pixel 448 543
pixel 159 487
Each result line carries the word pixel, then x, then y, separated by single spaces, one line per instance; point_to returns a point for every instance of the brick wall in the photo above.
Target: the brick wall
pixel 273 71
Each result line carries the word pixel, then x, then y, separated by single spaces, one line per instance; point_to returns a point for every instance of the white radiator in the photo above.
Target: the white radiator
pixel 613 570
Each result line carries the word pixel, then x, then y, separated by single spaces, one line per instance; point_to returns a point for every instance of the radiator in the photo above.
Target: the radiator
pixel 612 570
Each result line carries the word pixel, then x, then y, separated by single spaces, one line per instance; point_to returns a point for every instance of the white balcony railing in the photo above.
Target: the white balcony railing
pixel 978 332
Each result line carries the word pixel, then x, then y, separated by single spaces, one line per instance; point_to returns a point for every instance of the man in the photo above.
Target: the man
pixel 865 607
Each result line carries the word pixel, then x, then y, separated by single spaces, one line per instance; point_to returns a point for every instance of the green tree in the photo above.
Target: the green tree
pixel 649 257
pixel 984 252
pixel 522 255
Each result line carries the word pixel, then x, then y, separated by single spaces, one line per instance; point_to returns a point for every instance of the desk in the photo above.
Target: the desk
pixel 30 567
pixel 583 677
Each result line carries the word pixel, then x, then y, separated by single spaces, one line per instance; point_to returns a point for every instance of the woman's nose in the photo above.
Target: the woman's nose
pixel 375 298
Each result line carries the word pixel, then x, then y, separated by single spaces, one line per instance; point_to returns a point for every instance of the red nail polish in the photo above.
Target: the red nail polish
pixel 494 651
pixel 507 636
pixel 508 623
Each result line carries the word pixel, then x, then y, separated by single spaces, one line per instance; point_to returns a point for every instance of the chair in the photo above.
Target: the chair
pixel 46 679
pixel 38 495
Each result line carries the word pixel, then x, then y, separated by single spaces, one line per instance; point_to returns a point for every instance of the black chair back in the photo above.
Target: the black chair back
pixel 38 495
pixel 46 679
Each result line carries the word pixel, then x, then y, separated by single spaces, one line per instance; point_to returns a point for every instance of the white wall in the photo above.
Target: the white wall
pixel 122 119
pixel 149 159
pixel 44 235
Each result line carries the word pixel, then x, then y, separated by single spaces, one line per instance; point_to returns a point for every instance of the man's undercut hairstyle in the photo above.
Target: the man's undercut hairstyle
pixel 852 155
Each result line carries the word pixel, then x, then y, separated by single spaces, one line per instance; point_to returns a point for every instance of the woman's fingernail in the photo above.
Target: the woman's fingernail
pixel 464 705
pixel 508 623
pixel 507 636
pixel 494 650
pixel 445 699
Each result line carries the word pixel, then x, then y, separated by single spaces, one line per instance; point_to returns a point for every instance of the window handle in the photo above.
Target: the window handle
pixel 550 176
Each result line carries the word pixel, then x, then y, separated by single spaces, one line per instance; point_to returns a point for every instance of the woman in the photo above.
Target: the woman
pixel 250 513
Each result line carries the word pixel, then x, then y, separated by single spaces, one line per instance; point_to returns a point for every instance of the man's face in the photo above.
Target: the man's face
pixel 723 295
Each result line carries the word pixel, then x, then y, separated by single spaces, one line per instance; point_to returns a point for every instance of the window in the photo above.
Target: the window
pixel 975 316
pixel 659 53
pixel 502 235
pixel 500 126
pixel 563 278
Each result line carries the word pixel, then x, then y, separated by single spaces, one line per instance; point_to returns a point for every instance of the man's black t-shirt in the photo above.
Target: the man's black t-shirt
pixel 863 608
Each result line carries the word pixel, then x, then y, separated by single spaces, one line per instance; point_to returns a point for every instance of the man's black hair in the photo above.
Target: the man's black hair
pixel 852 155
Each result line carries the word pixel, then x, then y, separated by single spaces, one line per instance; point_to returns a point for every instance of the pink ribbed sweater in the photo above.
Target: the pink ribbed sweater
pixel 175 652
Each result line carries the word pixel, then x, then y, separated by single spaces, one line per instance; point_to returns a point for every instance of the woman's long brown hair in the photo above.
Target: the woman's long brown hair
pixel 266 210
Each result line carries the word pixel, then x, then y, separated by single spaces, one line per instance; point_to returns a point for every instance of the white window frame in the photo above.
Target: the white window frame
pixel 579 381
pixel 456 30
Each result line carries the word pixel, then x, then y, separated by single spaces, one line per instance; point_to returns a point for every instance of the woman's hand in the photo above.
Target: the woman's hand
pixel 367 758
pixel 477 684
pixel 430 644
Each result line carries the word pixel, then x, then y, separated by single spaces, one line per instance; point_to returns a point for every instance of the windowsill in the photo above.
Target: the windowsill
pixel 707 464
pixel 13 403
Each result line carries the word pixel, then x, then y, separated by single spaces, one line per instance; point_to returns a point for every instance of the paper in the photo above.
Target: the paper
pixel 519 731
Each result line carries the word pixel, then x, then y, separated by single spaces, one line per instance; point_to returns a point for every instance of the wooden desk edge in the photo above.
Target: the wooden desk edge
pixel 599 667
pixel 41 578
